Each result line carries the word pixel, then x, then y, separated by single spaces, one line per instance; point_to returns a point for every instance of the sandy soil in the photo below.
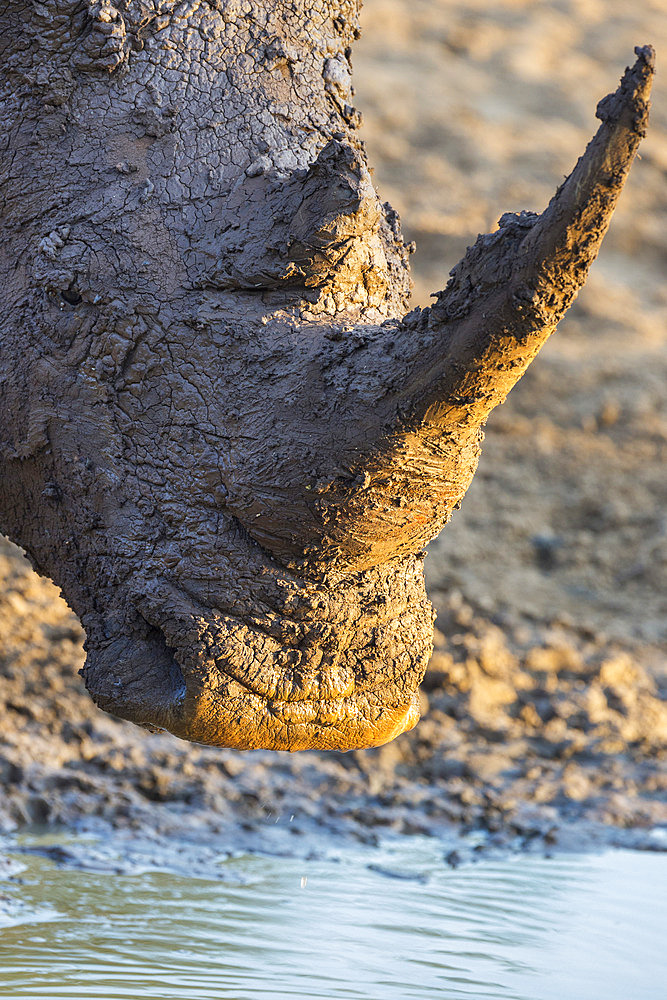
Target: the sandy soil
pixel 545 720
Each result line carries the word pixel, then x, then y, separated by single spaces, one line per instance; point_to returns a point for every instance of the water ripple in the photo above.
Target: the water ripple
pixel 395 924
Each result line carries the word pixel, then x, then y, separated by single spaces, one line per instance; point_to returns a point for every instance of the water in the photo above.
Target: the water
pixel 406 928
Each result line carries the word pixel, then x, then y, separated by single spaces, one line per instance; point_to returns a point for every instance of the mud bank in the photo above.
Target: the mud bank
pixel 544 719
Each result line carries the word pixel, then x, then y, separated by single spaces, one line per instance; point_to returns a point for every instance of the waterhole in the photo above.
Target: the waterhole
pixel 392 923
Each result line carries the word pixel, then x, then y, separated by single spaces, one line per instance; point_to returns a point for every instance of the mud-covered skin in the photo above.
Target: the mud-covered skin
pixel 217 434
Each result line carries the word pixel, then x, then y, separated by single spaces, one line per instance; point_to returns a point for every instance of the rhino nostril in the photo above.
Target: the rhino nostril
pixel 71 296
pixel 137 678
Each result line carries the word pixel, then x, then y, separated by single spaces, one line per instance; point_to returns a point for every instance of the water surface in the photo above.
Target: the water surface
pixel 394 923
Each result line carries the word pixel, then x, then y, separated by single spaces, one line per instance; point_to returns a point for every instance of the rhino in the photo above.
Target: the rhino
pixel 223 432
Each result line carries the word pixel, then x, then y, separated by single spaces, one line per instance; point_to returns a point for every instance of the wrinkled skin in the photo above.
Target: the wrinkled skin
pixel 219 433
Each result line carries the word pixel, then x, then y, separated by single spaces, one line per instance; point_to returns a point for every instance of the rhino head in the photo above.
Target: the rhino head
pixel 221 432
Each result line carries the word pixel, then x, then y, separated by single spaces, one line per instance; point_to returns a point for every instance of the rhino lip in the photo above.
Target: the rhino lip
pixel 241 709
pixel 288 664
pixel 213 679
pixel 239 713
pixel 345 724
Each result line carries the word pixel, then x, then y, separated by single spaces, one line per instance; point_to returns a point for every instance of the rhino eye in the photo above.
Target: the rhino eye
pixel 71 296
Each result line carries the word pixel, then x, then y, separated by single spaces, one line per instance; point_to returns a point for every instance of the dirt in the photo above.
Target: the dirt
pixel 544 720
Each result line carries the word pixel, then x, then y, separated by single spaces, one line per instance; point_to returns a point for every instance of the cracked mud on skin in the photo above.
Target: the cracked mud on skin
pixel 222 435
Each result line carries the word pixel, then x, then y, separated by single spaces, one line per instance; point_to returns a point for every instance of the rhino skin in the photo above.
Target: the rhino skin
pixel 222 434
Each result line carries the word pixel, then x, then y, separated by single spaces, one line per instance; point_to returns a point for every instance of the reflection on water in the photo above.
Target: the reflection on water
pixel 408 926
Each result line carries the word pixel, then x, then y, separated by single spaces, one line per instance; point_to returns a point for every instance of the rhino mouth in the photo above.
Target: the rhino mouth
pixel 321 680
pixel 142 681
pixel 245 720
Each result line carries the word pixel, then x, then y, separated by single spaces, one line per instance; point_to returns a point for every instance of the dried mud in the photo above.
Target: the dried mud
pixel 544 720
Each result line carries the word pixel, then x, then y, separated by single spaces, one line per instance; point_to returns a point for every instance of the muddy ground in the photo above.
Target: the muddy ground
pixel 544 715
